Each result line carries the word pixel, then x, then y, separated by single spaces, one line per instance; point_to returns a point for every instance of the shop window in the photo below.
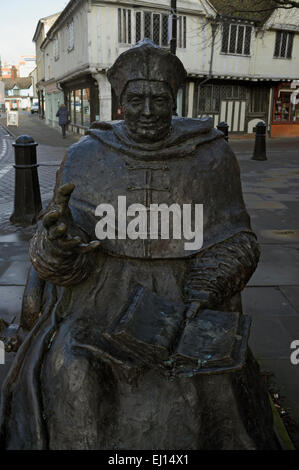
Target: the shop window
pixel 124 26
pixel 72 107
pixel 283 107
pixel 70 36
pixel 283 45
pixel 236 39
pixel 86 106
pixel 155 27
pixel 79 106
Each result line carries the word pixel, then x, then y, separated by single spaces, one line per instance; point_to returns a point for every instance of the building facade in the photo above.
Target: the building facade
pixel 18 94
pixel 42 28
pixel 238 67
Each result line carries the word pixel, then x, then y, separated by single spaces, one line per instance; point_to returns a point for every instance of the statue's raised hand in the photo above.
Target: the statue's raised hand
pixel 61 228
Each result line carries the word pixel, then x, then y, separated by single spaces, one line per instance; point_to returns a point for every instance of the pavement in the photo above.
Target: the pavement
pixel 271 298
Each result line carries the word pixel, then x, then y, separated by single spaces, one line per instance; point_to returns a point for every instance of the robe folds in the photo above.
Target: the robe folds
pixel 67 388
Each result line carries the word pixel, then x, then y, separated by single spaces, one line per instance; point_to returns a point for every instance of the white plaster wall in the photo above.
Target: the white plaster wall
pixel 231 65
pixel 104 34
pixel 69 61
pixel 265 65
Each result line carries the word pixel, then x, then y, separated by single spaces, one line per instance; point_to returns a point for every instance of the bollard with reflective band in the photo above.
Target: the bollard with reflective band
pixel 27 201
pixel 223 127
pixel 259 152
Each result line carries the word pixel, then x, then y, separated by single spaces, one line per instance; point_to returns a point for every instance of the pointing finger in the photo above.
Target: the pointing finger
pixel 64 193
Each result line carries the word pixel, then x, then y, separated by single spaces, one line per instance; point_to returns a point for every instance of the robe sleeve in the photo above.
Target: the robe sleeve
pixel 221 271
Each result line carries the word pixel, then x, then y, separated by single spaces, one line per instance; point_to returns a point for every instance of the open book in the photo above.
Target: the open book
pixel 155 331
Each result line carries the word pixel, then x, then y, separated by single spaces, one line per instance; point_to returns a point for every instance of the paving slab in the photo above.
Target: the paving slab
pixel 14 274
pixel 11 303
pixel 279 265
pixel 260 204
pixel 270 338
pixel 269 301
pixel 292 295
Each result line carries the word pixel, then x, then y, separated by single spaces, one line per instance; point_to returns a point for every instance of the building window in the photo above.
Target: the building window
pixel 233 92
pixel 124 26
pixel 56 48
pixel 283 107
pixel 209 99
pixel 258 100
pixel 79 106
pixel 70 36
pixel 154 26
pixel 283 45
pixel 236 39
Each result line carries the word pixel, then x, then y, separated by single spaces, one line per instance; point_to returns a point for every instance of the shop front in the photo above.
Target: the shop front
pixel 82 99
pixel 285 119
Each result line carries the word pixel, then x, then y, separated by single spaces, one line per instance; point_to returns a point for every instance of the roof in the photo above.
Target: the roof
pixel 49 20
pixel 258 11
pixel 22 83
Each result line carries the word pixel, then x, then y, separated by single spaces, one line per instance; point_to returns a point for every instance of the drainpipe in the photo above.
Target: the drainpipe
pixel 214 29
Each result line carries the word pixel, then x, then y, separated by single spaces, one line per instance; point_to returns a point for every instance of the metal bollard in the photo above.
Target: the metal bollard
pixel 259 152
pixel 27 201
pixel 223 127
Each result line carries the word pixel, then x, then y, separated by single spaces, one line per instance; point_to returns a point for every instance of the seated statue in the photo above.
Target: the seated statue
pixel 139 342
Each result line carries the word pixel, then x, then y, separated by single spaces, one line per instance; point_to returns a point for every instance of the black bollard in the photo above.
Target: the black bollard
pixel 259 152
pixel 223 127
pixel 27 202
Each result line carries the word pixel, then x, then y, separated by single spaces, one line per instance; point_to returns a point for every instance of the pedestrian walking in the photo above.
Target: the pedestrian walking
pixel 64 117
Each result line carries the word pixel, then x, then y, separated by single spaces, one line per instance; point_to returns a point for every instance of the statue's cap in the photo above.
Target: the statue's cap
pixel 146 61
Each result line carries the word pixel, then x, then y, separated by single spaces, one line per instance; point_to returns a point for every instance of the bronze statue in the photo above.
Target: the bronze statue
pixel 140 343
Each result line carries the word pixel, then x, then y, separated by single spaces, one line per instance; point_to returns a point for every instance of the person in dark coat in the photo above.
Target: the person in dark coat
pixel 64 117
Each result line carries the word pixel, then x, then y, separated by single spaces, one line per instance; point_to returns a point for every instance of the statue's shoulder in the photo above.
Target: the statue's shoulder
pixel 98 133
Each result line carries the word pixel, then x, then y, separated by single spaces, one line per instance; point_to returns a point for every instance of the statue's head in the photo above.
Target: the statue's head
pixel 146 79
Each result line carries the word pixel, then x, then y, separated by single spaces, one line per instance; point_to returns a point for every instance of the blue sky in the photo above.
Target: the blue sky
pixel 18 22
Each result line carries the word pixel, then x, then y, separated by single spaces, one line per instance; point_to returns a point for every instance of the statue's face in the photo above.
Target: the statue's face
pixel 147 108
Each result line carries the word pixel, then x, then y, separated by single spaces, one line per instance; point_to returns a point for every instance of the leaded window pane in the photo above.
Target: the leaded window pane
pixel 290 45
pixel 138 26
pixel 240 39
pixel 179 31
pixel 233 38
pixel 164 30
pixel 147 25
pixel 124 38
pixel 277 44
pixel 129 27
pixel 283 44
pixel 156 28
pixel 247 40
pixel 119 26
pixel 225 35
